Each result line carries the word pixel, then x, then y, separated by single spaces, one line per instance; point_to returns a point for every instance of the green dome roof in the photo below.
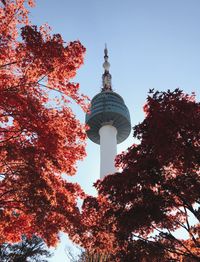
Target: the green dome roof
pixel 108 107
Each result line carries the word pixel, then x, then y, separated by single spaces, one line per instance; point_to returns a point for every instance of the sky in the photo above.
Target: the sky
pixel 151 44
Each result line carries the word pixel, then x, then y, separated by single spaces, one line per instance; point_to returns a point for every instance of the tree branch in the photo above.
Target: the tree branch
pixel 11 63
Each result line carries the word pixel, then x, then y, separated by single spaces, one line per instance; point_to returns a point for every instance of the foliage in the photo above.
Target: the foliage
pixel 85 256
pixel 40 137
pixel 157 191
pixel 32 249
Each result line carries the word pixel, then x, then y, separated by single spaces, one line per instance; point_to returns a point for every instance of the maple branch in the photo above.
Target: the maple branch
pixel 176 251
pixel 193 211
pixel 9 191
pixel 14 88
pixel 188 205
pixel 11 63
pixel 186 216
pixel 12 137
pixel 11 89
pixel 10 131
pixel 52 88
pixel 182 244
pixel 12 201
pixel 8 166
pixel 189 229
pixel 182 225
pixel 176 240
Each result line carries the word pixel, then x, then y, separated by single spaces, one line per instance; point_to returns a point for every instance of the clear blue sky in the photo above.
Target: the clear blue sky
pixel 152 44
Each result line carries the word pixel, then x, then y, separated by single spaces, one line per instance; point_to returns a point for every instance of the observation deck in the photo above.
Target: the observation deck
pixel 108 108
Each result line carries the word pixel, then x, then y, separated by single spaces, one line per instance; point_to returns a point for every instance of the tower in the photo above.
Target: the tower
pixel 109 121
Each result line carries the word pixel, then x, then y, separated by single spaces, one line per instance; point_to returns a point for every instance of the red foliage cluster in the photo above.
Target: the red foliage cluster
pixel 40 137
pixel 95 234
pixel 159 187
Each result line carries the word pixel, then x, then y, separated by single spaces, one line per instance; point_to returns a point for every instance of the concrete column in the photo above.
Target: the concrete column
pixel 108 150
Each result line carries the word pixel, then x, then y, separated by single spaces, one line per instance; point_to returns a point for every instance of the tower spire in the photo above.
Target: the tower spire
pixel 106 77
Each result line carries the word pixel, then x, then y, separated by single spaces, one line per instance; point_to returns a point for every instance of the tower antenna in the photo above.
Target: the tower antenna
pixel 106 77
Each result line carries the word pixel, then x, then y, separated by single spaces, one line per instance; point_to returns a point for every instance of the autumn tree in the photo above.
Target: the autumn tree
pixel 40 137
pixel 158 190
pixel 33 249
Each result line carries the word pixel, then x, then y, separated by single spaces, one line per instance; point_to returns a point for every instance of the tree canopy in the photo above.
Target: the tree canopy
pixel 40 137
pixel 139 210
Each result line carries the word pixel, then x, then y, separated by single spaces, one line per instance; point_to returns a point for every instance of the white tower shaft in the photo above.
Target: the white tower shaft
pixel 108 150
